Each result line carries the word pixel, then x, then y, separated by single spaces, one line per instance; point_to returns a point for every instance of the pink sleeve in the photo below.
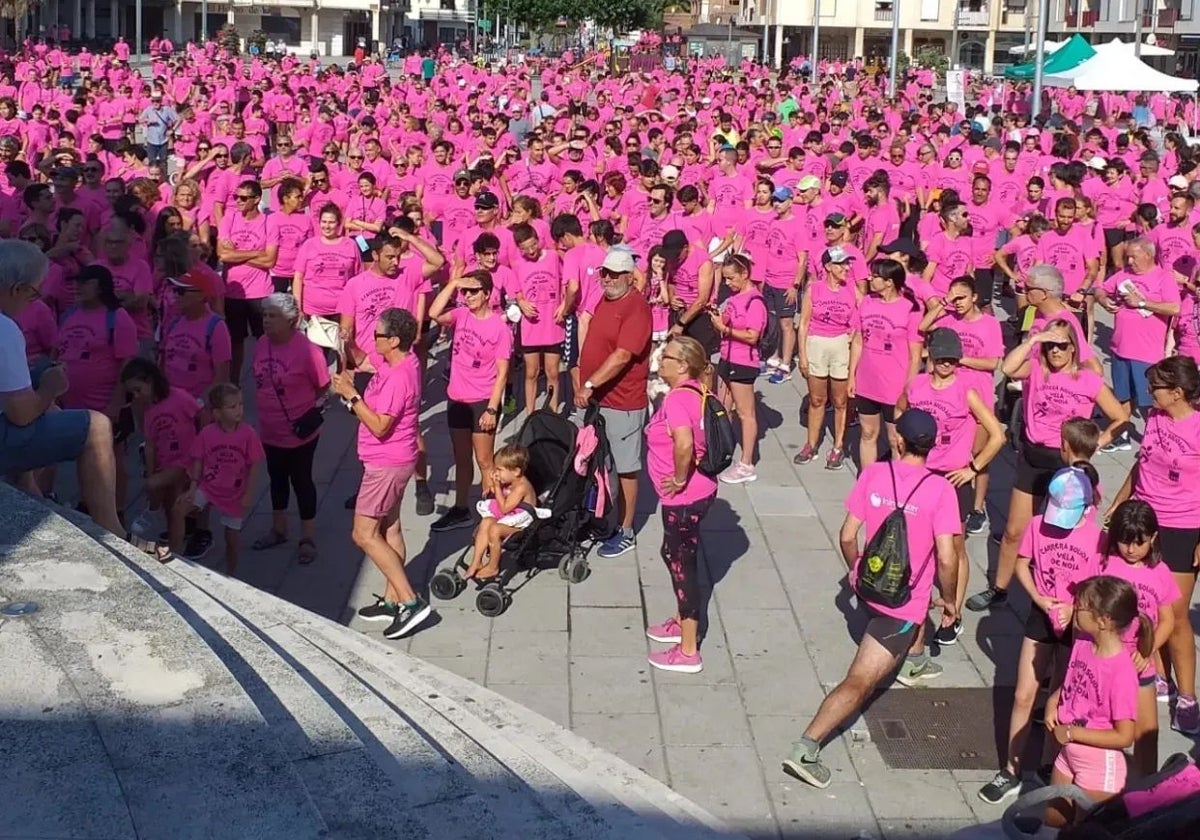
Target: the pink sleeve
pixel 677 414
pixel 222 344
pixel 856 502
pixel 125 341
pixel 914 327
pixel 256 448
pixel 319 365
pixel 1123 698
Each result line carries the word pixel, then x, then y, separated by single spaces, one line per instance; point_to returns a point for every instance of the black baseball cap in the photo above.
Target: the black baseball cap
pixel 944 343
pixel 917 426
pixel 901 246
pixel 487 201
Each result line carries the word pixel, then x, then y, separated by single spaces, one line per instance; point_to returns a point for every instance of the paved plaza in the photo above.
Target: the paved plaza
pixel 777 637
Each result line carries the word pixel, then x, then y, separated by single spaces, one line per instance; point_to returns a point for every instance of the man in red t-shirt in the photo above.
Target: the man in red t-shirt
pixel 614 364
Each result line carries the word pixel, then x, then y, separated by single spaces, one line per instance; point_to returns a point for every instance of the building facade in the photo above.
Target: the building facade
pixel 327 27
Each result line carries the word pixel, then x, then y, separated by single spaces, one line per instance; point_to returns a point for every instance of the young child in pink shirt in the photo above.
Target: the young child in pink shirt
pixel 1093 716
pixel 226 457
pixel 510 510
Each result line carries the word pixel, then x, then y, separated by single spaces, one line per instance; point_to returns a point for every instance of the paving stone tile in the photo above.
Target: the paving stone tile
pixel 702 715
pixel 921 829
pixel 775 684
pixel 633 737
pixel 740 798
pixel 611 685
pixel 780 501
pixel 909 794
pixel 605 631
pixel 610 585
pixel 755 632
pixel 527 656
pixel 839 812
pixel 549 701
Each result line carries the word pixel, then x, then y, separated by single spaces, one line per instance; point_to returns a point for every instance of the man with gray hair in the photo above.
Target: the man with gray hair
pixel 1044 291
pixel 1143 298
pixel 34 434
pixel 614 365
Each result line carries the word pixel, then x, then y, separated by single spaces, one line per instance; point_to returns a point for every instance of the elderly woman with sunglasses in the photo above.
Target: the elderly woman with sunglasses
pixel 1057 388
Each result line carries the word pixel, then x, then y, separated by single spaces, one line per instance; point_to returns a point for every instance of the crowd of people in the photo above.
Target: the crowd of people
pixel 217 232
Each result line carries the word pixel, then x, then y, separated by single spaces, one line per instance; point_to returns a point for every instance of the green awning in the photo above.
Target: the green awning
pixel 1071 54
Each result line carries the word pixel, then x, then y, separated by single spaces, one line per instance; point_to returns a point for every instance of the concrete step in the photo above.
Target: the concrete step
pixel 376 739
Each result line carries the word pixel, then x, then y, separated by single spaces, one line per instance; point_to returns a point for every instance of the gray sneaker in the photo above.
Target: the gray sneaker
pixel 913 674
pixel 806 769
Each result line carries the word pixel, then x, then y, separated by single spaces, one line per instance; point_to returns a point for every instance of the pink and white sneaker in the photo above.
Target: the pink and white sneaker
pixel 674 659
pixel 668 633
pixel 739 473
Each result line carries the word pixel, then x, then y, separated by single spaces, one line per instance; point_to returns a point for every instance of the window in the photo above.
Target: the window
pixel 1186 9
pixel 447 5
pixel 278 26
pixel 930 9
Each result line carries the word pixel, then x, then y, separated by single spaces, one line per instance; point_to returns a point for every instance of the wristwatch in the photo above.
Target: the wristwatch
pixel 1141 304
pixel 589 385
pixel 353 401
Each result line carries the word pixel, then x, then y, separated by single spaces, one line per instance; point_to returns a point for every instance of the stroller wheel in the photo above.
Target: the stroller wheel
pixel 576 569
pixel 492 601
pixel 447 585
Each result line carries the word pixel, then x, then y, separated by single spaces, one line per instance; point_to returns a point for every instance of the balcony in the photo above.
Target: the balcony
pixel 974 17
pixel 884 13
pixel 1090 18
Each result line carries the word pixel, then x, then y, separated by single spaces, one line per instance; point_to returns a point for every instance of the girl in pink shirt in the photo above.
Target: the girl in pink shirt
pixel 1093 716
pixel 169 425
pixel 225 458
pixel 740 321
pixel 1134 555
pixel 323 265
pixel 544 303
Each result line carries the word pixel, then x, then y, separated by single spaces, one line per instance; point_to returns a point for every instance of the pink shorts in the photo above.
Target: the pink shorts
pixel 381 490
pixel 1092 768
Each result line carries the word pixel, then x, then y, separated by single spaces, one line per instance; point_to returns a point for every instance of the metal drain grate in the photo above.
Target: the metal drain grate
pixel 940 729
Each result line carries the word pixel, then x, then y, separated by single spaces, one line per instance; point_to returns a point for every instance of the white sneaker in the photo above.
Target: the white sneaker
pixel 775 363
pixel 739 473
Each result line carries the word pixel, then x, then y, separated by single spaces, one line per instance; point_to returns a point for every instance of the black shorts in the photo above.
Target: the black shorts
pixel 869 408
pixel 1036 465
pixel 1039 628
pixel 1178 547
pixel 464 415
pixel 966 497
pixel 895 634
pixel 701 329
pixel 244 316
pixel 282 284
pixel 739 374
pixel 776 300
pixel 545 349
pixel 1113 237
pixel 985 281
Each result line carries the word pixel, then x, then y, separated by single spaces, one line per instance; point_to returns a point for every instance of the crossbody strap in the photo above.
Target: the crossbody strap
pixel 903 508
pixel 274 385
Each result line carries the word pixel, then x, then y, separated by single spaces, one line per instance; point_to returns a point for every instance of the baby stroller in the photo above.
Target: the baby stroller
pixel 567 485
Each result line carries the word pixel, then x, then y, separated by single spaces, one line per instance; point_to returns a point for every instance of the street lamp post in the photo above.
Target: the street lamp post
pixel 816 39
pixel 1043 16
pixel 203 20
pixel 729 44
pixel 895 47
pixel 954 38
pixel 1137 29
pixel 137 31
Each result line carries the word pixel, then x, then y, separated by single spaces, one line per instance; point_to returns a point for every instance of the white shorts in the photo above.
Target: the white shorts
pixel 233 523
pixel 520 519
pixel 828 356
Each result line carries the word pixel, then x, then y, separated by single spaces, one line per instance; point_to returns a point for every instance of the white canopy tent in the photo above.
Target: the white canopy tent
pixel 1117 70
pixel 1117 45
pixel 1021 49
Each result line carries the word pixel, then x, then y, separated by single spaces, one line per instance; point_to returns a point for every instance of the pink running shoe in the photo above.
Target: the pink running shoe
pixel 1187 716
pixel 668 632
pixel 674 659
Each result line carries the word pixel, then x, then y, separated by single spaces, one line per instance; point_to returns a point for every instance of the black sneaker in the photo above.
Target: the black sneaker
pixel 453 519
pixel 198 544
pixel 407 617
pixel 977 522
pixel 381 610
pixel 990 597
pixel 424 499
pixel 1004 785
pixel 949 635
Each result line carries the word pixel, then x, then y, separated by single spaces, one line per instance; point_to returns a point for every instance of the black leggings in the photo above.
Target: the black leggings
pixel 681 541
pixel 293 466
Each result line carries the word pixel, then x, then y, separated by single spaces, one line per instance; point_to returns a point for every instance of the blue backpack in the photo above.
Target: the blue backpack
pixel 110 321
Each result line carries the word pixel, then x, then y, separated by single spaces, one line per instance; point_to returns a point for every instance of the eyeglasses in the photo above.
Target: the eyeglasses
pixel 657 201
pixel 380 335
pixel 331 151
pixel 246 197
pixel 355 157
pixel 774 146
pixel 1058 345
pixel 1162 388
pixel 470 290
pixel 672 358
pixel 320 182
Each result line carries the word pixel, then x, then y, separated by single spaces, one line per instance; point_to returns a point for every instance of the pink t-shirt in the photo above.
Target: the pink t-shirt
pixel 680 408
pixel 246 281
pixel 191 348
pixel 479 344
pixel 93 344
pixel 954 258
pixel 396 392
pixel 541 283
pixel 1136 336
pixel 833 310
pixel 981 339
pixel 1052 400
pixel 744 311
pixel 1168 473
pixel 1068 253
pixel 786 239
pixel 325 267
pixel 1155 587
pixel 170 428
pixel 289 378
pixel 291 230
pixel 1096 692
pixel 931 512
pixel 40 329
pixel 887 329
pixel 226 459
pixel 1061 558
pixel 955 423
pixel 365 296
pixel 133 277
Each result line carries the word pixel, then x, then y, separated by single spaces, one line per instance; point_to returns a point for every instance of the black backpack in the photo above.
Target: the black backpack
pixel 718 434
pixel 884 572
pixel 769 339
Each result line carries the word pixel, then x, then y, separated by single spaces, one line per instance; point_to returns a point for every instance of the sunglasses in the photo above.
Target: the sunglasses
pixel 355 157
pixel 380 335
pixel 220 157
pixel 1058 345
pixel 246 197
pixel 472 290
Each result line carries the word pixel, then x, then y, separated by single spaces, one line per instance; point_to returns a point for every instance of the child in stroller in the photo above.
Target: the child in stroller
pixel 510 510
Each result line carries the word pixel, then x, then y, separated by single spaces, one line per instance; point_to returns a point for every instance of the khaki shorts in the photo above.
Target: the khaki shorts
pixel 828 356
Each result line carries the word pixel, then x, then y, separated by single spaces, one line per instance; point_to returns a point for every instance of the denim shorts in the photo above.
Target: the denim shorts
pixel 1129 381
pixel 53 438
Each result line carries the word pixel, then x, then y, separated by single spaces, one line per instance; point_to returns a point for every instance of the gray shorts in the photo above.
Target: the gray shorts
pixel 626 431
